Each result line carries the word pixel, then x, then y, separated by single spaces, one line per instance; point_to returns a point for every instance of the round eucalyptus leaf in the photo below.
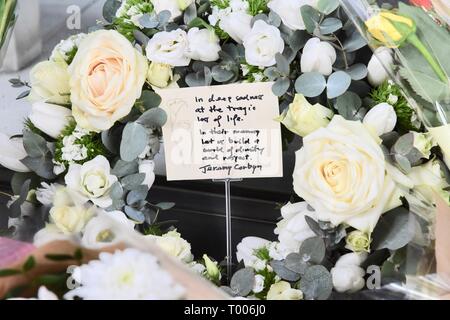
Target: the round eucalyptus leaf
pixel 327 6
pixel 153 118
pixel 404 144
pixel 274 19
pixel 316 283
pixel 298 39
pixel 149 21
pixel 354 42
pixel 124 168
pixel 313 250
pixel 272 73
pixel 110 8
pixel 357 71
pixel 337 84
pixel 134 214
pixel 282 64
pixel 134 140
pixel 281 86
pixel 349 105
pixel 221 74
pixel 133 181
pixel 165 205
pixel 150 99
pixel 311 17
pixel 403 162
pixel 330 25
pixel 116 191
pixel 136 195
pixel 283 272
pixel 243 281
pixel 295 263
pixel 310 84
pixel 164 17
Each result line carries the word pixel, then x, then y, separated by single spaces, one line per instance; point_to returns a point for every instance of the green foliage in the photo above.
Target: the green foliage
pixel 221 4
pixel 257 6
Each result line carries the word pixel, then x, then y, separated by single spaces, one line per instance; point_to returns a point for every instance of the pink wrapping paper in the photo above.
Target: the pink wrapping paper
pixel 12 251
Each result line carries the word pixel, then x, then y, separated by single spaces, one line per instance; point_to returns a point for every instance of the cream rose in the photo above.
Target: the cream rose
pixel 106 78
pixel 159 75
pixel 282 291
pixel 174 245
pixel 342 173
pixel 50 83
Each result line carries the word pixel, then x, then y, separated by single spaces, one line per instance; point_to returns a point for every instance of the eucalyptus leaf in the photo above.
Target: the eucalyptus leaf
pixel 282 64
pixel 111 139
pixel 42 166
pixel 165 205
pixel 133 181
pixel 327 6
pixel 330 25
pixel 311 17
pixel 313 250
pixel 295 263
pixel 150 99
pixel 124 168
pixel 283 272
pixel 354 42
pixel 34 144
pixel 281 86
pixel 349 106
pixel 243 281
pixel 337 84
pixel 190 13
pixel 153 118
pixel 136 195
pixel 316 283
pixel 116 191
pixel 134 214
pixel 149 21
pixel 357 71
pixel 310 84
pixel 220 74
pixel 164 17
pixel 134 140
pixel 314 226
pixel 394 230
pixel 110 8
pixel 298 39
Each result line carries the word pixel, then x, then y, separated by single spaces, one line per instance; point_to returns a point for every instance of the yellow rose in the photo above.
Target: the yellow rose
pixel 390 29
pixel 358 241
pixel 159 75
pixel 282 291
pixel 302 118
pixel 106 78
pixel 50 83
pixel 342 173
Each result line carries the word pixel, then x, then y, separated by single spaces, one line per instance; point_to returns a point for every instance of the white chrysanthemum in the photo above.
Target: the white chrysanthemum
pixel 125 275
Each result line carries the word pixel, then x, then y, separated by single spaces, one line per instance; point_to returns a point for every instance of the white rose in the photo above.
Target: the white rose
pixel 289 11
pixel 50 118
pixel 341 172
pixel 175 246
pixel 148 168
pixel 381 118
pixel 175 7
pixel 70 220
pixel 169 48
pixel 160 74
pixel 262 44
pixel 11 152
pixel 92 181
pixel 259 284
pixel 237 25
pixel 293 229
pixel 282 291
pixel 318 56
pixel 381 61
pixel 347 274
pixel 106 229
pixel 203 45
pixel 246 250
pixel 106 78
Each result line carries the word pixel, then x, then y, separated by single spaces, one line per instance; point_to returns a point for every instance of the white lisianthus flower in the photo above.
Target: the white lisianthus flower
pixel 148 168
pixel 106 78
pixel 237 25
pixel 302 118
pixel 293 229
pixel 262 44
pixel 175 7
pixel 50 118
pixel 282 291
pixel 125 275
pixel 66 47
pixel 342 173
pixel 259 284
pixel 424 142
pixel 318 56
pixel 289 11
pixel 247 249
pixel 169 48
pixel 347 274
pixel 381 61
pixel 11 152
pixel 92 181
pixel 174 245
pixel 106 229
pixel 381 118
pixel 160 75
pixel 204 45
pixel 50 83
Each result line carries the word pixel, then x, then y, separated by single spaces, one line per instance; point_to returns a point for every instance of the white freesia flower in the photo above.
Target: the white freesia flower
pixel 289 11
pixel 318 56
pixel 50 118
pixel 125 275
pixel 11 152
pixel 174 245
pixel 169 48
pixel 259 284
pixel 92 181
pixel 246 250
pixel 237 25
pixel 381 61
pixel 347 274
pixel 106 229
pixel 148 168
pixel 294 229
pixel 381 118
pixel 204 45
pixel 342 173
pixel 262 44
pixel 282 291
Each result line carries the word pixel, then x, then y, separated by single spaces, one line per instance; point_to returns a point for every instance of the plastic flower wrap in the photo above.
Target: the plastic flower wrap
pixel 7 21
pixel 418 38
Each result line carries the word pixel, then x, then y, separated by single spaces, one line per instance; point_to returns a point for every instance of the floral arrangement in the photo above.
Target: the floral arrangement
pixel 364 178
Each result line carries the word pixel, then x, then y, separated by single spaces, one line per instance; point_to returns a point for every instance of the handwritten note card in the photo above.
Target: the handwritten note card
pixel 220 132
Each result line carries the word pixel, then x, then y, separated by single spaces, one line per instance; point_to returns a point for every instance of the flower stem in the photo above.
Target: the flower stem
pixel 415 41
